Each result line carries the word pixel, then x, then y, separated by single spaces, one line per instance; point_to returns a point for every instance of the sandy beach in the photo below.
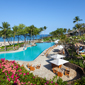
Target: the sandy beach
pixel 11 42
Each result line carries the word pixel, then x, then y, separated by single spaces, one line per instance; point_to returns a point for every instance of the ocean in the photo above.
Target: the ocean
pixel 21 38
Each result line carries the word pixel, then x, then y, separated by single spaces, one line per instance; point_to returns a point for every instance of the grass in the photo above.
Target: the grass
pixel 83 56
pixel 10 47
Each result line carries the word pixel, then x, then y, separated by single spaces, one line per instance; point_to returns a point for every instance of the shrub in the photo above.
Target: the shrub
pixel 12 73
pixel 80 82
pixel 60 82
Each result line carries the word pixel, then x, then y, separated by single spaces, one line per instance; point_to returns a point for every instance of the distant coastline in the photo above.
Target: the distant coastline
pixel 28 38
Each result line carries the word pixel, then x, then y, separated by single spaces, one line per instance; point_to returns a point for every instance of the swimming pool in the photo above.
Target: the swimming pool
pixel 29 54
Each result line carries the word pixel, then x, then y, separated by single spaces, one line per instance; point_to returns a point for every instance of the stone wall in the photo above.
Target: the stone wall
pixel 78 69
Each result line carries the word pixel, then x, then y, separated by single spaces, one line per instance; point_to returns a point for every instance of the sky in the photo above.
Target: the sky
pixel 50 13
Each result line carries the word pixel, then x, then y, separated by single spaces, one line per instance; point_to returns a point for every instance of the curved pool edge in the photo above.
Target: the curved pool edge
pixel 23 51
pixel 19 50
pixel 31 60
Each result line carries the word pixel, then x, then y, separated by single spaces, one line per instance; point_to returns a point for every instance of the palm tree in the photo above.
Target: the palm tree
pixel 44 29
pixel 5 27
pixel 32 27
pixel 69 30
pixel 83 28
pixel 41 29
pixel 15 28
pixel 20 31
pixel 78 28
pixel 76 19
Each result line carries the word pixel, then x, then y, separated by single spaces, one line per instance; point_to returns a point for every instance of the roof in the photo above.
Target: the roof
pixel 59 61
pixel 57 56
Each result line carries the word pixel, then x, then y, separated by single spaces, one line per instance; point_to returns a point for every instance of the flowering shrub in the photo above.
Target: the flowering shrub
pixel 12 73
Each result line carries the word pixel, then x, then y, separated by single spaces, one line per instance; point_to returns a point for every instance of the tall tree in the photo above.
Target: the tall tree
pixel 5 27
pixel 20 31
pixel 41 29
pixel 44 30
pixel 69 30
pixel 25 33
pixel 76 19
pixel 9 36
pixel 36 32
pixel 15 28
pixel 32 27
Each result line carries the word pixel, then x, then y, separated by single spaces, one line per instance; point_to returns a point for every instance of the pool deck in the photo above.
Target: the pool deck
pixel 45 70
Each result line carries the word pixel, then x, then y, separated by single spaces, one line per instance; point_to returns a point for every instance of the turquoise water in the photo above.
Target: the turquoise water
pixel 29 54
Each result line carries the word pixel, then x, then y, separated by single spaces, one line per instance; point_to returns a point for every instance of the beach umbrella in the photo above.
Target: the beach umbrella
pixel 56 41
pixel 57 56
pixel 59 62
pixel 60 47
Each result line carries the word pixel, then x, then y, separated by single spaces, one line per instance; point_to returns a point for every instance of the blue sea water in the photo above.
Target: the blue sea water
pixel 29 54
pixel 21 38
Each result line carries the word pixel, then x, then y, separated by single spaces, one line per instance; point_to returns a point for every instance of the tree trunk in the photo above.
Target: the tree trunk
pixel 79 32
pixel 31 35
pixel 13 43
pixel 5 44
pixel 18 39
pixel 8 41
pixel 25 40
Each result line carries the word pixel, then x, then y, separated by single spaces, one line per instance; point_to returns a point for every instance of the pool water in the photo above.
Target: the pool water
pixel 29 54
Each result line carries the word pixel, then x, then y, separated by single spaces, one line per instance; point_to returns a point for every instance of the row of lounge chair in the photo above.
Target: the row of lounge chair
pixel 48 50
pixel 32 68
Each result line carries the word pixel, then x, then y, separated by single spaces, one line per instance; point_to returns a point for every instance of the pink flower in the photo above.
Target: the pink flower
pixel 8 79
pixel 51 81
pixel 28 82
pixel 16 66
pixel 33 77
pixel 12 76
pixel 7 76
pixel 4 70
pixel 45 84
pixel 31 84
pixel 24 74
pixel 15 82
pixel 16 79
pixel 20 73
pixel 8 72
pixel 13 61
pixel 28 73
pixel 16 75
pixel 56 84
pixel 2 59
pixel 19 70
pixel 22 83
